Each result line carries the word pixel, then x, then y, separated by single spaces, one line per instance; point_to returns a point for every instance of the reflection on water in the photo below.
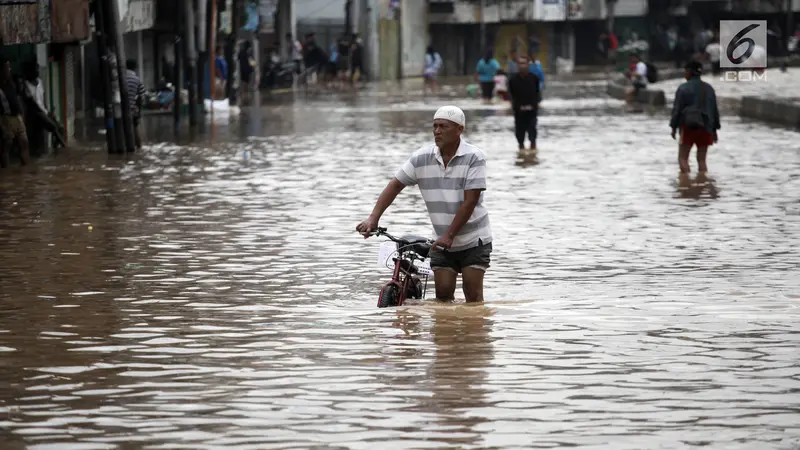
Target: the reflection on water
pixel 527 158
pixel 213 294
pixel 699 186
pixel 461 336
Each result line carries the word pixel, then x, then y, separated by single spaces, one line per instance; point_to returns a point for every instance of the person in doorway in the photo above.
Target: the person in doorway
pixel 357 61
pixel 314 59
pixel 713 54
pixel 638 76
pixel 221 72
pixel 696 114
pixel 344 43
pixel 524 91
pixel 433 62
pixel 501 85
pixel 295 53
pixel 332 71
pixel 485 71
pixel 451 174
pixel 37 116
pixel 247 69
pixel 12 125
pixel 511 65
pixel 136 94
pixel 533 44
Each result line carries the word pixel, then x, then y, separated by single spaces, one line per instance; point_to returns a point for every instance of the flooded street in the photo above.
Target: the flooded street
pixel 216 295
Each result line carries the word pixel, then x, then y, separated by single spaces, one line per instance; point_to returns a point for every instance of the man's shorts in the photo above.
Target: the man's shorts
pixel 476 258
pixel 699 137
pixel 12 128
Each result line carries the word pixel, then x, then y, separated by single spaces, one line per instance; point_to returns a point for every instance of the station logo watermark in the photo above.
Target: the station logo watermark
pixel 743 50
pixel 744 75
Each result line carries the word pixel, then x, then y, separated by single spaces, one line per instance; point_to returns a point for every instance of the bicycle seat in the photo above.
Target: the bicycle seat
pixel 416 244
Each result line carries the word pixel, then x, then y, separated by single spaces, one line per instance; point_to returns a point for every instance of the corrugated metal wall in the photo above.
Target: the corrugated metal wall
pixel 25 24
pixel 70 20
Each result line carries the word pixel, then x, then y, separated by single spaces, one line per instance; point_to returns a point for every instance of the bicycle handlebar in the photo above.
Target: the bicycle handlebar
pixel 381 231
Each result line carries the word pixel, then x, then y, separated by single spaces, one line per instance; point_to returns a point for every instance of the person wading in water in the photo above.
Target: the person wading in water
pixel 524 91
pixel 695 113
pixel 451 174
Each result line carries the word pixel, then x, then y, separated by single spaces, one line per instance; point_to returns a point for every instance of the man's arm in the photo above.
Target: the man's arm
pixel 140 94
pixel 717 124
pixel 386 198
pixel 677 108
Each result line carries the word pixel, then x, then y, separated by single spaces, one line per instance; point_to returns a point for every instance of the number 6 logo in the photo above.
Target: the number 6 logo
pixel 738 40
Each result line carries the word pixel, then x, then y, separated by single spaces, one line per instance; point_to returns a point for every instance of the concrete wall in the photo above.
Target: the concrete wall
pixel 389 41
pixel 630 8
pixel 286 21
pixel 414 37
pixel 371 39
pixel 779 111
pixel 311 10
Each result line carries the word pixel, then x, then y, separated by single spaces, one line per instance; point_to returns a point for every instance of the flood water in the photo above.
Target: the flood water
pixel 215 294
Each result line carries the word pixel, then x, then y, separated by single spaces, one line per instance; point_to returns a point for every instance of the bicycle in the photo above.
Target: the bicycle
pixel 408 279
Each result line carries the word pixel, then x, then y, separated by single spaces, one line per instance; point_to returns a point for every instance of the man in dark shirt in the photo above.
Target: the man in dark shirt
pixel 695 112
pixel 314 57
pixel 12 125
pixel 357 60
pixel 523 87
pixel 344 54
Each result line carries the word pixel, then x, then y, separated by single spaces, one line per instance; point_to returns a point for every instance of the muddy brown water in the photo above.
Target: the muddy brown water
pixel 221 298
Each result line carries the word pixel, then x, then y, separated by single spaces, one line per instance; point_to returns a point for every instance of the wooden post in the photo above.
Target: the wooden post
pixel 115 33
pixel 231 53
pixel 101 37
pixel 212 50
pixel 178 72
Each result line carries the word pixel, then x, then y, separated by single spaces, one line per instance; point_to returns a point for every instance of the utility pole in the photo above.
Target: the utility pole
pixel 191 60
pixel 212 50
pixel 101 34
pixel 348 17
pixel 230 51
pixel 610 8
pixel 483 26
pixel 789 25
pixel 178 104
pixel 115 30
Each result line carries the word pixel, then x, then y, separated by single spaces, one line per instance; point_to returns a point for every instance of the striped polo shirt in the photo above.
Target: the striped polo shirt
pixel 443 190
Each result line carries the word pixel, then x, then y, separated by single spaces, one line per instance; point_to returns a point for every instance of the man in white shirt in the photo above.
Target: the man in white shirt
pixel 713 53
pixel 37 114
pixel 638 77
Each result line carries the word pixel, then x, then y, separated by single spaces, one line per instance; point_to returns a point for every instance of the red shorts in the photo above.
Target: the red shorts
pixel 699 137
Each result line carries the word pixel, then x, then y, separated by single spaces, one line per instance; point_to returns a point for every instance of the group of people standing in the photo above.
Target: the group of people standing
pixel 343 61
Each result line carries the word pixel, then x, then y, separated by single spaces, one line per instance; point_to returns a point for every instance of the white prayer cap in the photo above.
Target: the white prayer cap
pixel 451 113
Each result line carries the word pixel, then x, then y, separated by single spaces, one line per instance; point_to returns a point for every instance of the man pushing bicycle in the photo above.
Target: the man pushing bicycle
pixel 451 174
